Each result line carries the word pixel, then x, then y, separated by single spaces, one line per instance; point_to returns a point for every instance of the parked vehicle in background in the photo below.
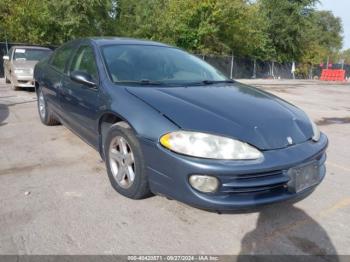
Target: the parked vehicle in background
pixel 20 62
pixel 168 123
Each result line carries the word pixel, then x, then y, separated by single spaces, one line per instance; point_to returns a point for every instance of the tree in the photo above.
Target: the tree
pixel 278 30
pixel 54 22
pixel 328 33
pixel 208 26
pixel 286 24
pixel 322 39
pixel 346 56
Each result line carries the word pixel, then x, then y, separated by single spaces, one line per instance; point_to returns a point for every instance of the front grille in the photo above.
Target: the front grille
pixel 25 71
pixel 28 71
pixel 259 182
pixel 24 81
pixel 254 183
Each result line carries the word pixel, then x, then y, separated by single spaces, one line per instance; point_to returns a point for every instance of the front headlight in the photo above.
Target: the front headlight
pixel 316 132
pixel 208 146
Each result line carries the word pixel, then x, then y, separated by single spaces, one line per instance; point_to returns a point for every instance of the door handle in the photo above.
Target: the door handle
pixel 58 85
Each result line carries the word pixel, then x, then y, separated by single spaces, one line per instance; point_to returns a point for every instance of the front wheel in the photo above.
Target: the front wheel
pixel 46 116
pixel 125 163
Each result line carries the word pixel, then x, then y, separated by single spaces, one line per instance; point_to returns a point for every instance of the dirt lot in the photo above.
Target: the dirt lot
pixel 55 197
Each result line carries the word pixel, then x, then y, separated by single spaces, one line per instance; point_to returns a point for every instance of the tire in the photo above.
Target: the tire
pixel 46 116
pixel 138 187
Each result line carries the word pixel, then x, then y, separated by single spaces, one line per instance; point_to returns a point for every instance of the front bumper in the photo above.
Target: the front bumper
pixel 22 80
pixel 244 184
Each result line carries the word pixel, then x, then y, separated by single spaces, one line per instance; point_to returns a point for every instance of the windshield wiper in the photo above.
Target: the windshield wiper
pixel 141 82
pixel 211 82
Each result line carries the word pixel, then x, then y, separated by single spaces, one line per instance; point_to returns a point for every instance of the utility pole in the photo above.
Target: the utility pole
pixel 254 72
pixel 232 60
pixel 342 64
pixel 327 61
pixel 7 46
pixel 312 72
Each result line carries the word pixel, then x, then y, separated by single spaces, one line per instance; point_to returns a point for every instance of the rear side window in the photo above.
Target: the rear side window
pixel 84 61
pixel 61 57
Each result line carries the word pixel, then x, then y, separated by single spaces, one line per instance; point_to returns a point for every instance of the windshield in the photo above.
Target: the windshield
pixel 156 64
pixel 27 54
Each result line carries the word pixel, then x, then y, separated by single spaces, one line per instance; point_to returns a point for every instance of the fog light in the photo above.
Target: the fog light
pixel 206 184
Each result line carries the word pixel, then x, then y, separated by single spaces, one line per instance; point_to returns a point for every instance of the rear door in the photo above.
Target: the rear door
pixel 52 78
pixel 81 102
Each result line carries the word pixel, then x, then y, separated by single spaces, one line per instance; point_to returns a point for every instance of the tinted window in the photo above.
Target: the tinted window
pixel 163 64
pixel 27 54
pixel 61 57
pixel 84 60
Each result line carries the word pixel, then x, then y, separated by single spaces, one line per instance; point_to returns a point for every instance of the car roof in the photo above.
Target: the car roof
pixel 101 41
pixel 31 47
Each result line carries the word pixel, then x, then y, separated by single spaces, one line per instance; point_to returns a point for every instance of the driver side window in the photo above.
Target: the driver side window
pixel 84 61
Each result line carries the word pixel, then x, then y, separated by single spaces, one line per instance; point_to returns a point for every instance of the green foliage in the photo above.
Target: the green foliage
pixel 321 39
pixel 279 30
pixel 54 22
pixel 346 56
pixel 208 26
pixel 286 24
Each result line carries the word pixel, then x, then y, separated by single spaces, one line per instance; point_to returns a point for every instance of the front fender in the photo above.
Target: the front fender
pixel 147 122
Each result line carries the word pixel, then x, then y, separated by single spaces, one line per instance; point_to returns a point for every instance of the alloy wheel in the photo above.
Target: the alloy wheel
pixel 122 162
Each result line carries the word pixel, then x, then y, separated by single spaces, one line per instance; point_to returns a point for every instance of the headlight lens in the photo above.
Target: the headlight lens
pixel 208 146
pixel 316 131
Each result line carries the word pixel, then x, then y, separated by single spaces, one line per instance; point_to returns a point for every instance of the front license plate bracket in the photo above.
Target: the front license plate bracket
pixel 303 177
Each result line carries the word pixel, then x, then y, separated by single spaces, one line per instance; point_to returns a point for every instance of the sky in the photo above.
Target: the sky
pixel 340 8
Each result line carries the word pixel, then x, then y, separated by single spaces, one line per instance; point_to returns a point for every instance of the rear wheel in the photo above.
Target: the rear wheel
pixel 46 116
pixel 125 163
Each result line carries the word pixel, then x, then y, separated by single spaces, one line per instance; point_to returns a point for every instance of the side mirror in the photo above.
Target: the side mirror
pixel 82 78
pixel 6 57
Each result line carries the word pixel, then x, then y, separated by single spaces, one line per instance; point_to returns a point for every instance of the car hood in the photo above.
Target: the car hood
pixel 23 64
pixel 237 111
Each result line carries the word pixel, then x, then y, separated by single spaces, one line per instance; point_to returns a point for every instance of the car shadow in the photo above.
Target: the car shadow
pixel 285 229
pixel 27 89
pixel 4 113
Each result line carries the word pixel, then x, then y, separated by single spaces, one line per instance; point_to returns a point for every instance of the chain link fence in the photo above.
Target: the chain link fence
pixel 246 68
pixel 232 66
pixel 236 67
